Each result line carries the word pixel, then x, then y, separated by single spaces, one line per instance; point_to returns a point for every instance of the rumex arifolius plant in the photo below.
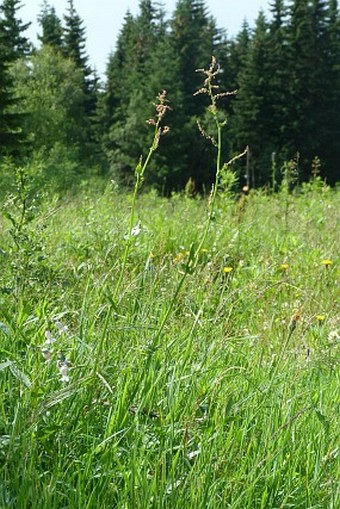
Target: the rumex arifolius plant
pixel 212 89
pixel 161 108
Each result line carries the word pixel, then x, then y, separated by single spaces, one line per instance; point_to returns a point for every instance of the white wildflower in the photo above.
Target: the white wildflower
pixel 61 328
pixel 135 231
pixel 64 366
pixel 49 338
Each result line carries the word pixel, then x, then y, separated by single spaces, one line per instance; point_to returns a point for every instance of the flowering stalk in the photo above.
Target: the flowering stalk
pixel 212 90
pixel 161 109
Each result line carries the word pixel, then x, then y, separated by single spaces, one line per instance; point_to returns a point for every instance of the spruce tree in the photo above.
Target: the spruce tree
pixel 331 92
pixel 251 105
pixel 13 28
pixel 238 51
pixel 192 33
pixel 74 47
pixel 195 38
pixel 52 30
pixel 167 166
pixel 320 86
pixel 117 70
pixel 13 46
pixel 278 79
pixel 74 38
pixel 8 121
pixel 302 126
pixel 132 80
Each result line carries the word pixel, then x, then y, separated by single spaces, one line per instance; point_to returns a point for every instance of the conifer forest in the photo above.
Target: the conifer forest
pixel 70 124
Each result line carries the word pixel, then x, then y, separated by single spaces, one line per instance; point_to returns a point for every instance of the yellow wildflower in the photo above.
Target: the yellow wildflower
pixel 326 262
pixel 227 270
pixel 284 266
pixel 320 318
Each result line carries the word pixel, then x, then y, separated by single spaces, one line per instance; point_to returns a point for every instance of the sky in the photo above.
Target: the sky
pixel 103 19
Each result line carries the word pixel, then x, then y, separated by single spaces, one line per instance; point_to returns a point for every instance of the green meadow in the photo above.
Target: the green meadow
pixel 156 353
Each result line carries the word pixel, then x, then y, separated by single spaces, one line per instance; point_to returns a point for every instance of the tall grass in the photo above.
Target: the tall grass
pixel 201 353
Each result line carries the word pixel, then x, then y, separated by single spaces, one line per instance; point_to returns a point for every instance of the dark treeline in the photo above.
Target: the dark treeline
pixel 57 114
